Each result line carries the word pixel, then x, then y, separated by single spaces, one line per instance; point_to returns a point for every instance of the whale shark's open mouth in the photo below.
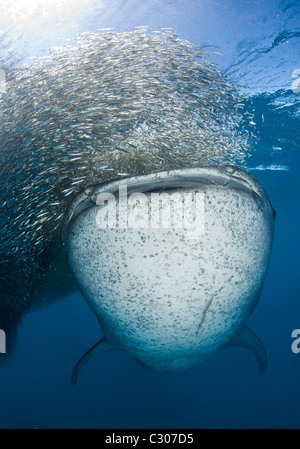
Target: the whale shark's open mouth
pixel 172 263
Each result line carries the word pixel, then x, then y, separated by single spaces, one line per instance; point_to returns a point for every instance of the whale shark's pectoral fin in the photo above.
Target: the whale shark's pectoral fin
pixel 246 338
pixel 101 346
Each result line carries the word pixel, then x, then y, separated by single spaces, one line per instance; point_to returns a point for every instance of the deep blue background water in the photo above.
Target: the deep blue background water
pixel 260 41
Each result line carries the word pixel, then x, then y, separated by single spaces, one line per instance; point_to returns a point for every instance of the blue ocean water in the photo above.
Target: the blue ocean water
pixel 257 44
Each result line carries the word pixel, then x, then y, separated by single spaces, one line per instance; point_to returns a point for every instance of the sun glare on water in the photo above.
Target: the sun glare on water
pixel 17 10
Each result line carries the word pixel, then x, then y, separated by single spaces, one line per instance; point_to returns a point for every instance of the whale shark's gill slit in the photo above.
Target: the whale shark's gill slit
pixel 204 314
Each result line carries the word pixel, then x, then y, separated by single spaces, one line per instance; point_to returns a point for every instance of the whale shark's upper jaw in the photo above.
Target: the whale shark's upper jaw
pixel 222 175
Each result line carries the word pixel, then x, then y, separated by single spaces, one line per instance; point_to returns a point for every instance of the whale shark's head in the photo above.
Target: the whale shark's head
pixel 171 263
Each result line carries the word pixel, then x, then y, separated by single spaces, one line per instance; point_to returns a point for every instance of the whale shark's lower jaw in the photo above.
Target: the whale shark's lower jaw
pixel 172 263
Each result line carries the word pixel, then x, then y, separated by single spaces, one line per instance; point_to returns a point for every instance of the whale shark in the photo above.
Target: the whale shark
pixel 172 292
